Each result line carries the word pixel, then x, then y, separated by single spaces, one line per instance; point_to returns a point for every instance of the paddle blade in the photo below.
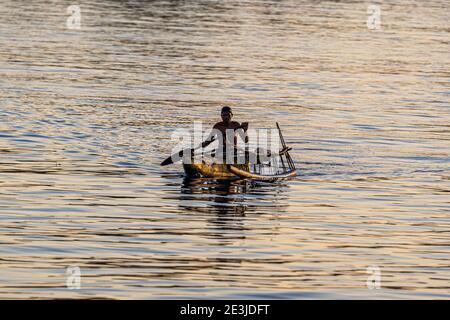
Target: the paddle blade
pixel 176 157
pixel 167 161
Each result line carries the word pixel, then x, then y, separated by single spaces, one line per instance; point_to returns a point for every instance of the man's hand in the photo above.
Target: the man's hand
pixel 244 125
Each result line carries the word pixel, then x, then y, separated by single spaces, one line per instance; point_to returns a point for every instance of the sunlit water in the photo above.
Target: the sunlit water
pixel 86 116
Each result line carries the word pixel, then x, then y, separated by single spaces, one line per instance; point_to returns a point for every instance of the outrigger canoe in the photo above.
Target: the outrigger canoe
pixel 279 166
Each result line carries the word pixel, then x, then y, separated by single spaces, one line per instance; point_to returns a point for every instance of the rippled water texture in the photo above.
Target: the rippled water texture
pixel 86 116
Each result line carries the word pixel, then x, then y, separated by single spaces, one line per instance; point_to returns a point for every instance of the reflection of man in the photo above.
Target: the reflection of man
pixel 225 131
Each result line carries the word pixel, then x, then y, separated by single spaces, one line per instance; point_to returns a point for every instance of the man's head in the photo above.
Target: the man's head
pixel 226 114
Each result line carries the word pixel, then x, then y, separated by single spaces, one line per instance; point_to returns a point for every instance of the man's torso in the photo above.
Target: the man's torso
pixel 223 127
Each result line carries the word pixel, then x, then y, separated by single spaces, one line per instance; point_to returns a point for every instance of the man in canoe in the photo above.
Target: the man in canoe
pixel 226 132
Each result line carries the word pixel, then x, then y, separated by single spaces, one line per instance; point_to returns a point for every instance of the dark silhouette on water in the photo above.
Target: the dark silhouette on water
pixel 229 202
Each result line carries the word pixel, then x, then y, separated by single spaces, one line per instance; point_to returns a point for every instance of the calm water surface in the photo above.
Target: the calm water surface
pixel 86 117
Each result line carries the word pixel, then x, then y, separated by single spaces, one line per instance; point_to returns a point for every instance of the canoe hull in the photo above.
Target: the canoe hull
pixel 224 171
pixel 214 170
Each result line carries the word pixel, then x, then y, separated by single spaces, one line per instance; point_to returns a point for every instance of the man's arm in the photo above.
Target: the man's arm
pixel 211 137
pixel 208 141
pixel 241 131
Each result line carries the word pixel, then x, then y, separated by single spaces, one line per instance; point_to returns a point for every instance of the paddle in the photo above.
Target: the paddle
pixel 178 156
